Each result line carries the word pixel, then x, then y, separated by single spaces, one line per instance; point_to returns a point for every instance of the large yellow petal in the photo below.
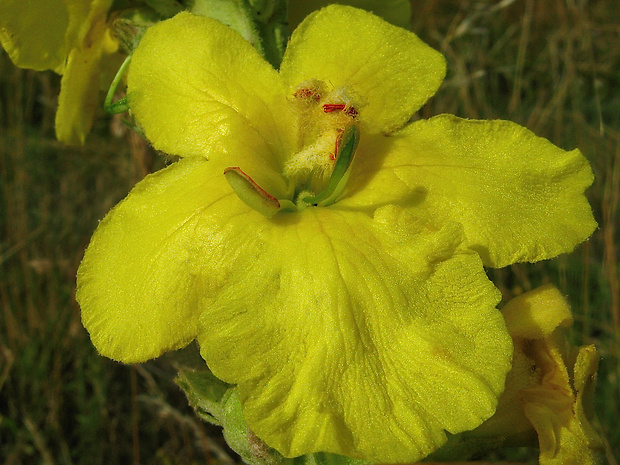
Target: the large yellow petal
pixel 519 197
pixel 155 259
pixel 386 68
pixel 397 12
pixel 199 90
pixel 366 337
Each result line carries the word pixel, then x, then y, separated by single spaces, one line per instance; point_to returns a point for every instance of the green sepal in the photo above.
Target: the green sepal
pixel 205 393
pixel 129 33
pixel 271 18
pixel 264 9
pixel 261 23
pixel 236 14
pixel 463 447
pixel 323 458
pixel 240 438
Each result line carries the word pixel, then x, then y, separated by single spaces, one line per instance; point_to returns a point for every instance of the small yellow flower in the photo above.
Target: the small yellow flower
pixel 71 37
pixel 549 388
pixel 347 300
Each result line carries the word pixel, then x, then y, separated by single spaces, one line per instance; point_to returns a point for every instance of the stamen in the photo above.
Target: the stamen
pixel 352 112
pixel 346 146
pixel 251 193
pixel 308 94
pixel 347 110
pixel 332 107
pixel 310 91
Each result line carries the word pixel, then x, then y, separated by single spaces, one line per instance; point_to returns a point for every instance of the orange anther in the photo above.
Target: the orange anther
pixel 307 94
pixel 347 110
pixel 331 107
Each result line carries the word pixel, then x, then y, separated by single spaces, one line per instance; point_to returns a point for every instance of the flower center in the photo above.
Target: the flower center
pixel 328 137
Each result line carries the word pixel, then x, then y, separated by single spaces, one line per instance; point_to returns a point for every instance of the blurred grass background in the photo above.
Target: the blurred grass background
pixel 550 65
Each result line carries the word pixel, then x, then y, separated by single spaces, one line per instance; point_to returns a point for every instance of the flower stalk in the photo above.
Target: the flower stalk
pixel 121 105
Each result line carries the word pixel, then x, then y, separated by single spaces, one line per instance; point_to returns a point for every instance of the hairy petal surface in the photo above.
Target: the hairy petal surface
pixel 519 197
pixel 155 259
pixel 350 334
pixel 199 89
pixel 397 12
pixel 537 313
pixel 387 68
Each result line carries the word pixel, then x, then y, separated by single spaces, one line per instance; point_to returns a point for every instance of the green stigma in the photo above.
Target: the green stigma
pixel 347 144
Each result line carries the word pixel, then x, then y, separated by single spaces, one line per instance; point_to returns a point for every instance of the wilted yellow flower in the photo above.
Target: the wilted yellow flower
pixel 549 389
pixel 71 37
pixel 327 255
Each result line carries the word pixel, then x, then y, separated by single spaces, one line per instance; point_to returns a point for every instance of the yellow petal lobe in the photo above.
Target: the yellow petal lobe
pixel 155 260
pixel 519 197
pixel 40 34
pixel 389 69
pixel 536 314
pixel 351 335
pixel 198 89
pixel 34 33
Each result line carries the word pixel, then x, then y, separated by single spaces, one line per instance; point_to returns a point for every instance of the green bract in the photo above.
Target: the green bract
pixel 347 301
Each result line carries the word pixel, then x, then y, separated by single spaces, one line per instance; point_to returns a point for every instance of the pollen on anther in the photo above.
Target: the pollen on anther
pixel 332 107
pixel 307 94
pixel 352 112
pixel 346 109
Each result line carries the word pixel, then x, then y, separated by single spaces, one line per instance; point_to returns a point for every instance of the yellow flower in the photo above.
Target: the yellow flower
pixel 71 37
pixel 346 300
pixel 549 387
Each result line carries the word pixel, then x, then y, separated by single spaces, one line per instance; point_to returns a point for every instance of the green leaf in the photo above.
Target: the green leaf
pixel 236 14
pixel 205 393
